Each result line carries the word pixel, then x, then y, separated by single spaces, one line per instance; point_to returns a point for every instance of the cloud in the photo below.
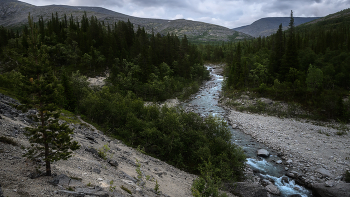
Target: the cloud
pixel 228 13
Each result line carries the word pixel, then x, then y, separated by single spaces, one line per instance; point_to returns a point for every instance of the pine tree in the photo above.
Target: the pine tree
pixel 291 56
pixel 41 90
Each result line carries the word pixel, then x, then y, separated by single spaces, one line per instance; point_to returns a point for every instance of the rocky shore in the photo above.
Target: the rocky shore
pixel 315 156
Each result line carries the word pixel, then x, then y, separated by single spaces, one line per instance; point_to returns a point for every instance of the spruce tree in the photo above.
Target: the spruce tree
pixel 41 90
pixel 290 59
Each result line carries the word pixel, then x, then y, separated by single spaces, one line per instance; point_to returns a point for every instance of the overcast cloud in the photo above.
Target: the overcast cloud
pixel 228 13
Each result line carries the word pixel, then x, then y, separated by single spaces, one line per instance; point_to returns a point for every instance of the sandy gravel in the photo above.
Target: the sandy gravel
pixel 309 146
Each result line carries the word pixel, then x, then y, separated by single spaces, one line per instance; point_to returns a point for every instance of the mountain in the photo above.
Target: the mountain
pixel 14 13
pixel 269 25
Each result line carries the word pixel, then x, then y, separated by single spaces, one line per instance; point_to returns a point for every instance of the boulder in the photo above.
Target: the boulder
pixel 273 189
pixel 263 153
pixel 247 189
pixel 113 163
pixel 279 161
pixel 339 190
pixel 96 170
pixel 325 173
pixel 92 150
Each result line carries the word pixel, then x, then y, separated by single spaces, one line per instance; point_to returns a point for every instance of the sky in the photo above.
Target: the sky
pixel 227 13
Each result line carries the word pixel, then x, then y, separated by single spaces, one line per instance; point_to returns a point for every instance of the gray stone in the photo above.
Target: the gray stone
pixel 263 153
pixel 265 182
pixel 324 172
pixel 339 190
pixel 62 179
pixel 92 150
pixel 285 180
pixel 295 195
pixel 289 161
pixel 126 176
pixel 279 161
pixel 329 183
pixel 273 189
pixel 92 192
pixel 70 193
pixel 247 189
pixel 113 163
pixel 266 101
pixel 96 170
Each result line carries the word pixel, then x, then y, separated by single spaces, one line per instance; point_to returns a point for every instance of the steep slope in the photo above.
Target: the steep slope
pixel 268 26
pixel 14 13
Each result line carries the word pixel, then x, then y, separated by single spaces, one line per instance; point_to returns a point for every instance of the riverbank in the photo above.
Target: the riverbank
pixel 313 154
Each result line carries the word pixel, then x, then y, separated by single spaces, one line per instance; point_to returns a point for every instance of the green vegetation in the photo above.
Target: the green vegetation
pixel 347 176
pixel 55 55
pixel 306 66
pixel 208 183
pixel 126 189
pixel 40 90
pixel 102 152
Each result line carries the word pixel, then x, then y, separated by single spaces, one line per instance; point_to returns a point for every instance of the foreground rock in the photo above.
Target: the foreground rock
pixel 263 153
pixel 339 190
pixel 247 189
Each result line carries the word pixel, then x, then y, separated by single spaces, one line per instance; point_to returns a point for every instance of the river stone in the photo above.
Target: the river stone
pixel 263 153
pixel 339 190
pixel 295 195
pixel 247 189
pixel 324 172
pixel 279 161
pixel 273 189
pixel 329 183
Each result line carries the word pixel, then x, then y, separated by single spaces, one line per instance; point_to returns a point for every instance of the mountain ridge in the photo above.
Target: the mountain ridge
pixel 269 25
pixel 14 13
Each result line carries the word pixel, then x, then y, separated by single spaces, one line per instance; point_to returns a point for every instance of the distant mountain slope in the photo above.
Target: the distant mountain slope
pixel 331 20
pixel 14 13
pixel 268 26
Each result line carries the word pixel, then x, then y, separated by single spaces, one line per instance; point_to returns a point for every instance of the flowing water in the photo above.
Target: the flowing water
pixel 206 102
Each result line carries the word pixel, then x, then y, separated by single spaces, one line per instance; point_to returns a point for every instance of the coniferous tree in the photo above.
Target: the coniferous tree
pixel 290 59
pixel 41 90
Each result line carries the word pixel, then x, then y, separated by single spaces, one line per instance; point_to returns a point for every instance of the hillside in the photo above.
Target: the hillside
pixel 269 25
pixel 14 13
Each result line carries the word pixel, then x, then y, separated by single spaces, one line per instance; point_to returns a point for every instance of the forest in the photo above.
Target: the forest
pixel 307 66
pixel 47 63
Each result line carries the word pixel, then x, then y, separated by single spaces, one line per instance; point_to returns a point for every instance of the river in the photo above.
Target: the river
pixel 206 102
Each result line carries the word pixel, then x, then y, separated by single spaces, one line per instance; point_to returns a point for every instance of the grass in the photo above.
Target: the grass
pixel 7 140
pixel 69 117
pixel 126 189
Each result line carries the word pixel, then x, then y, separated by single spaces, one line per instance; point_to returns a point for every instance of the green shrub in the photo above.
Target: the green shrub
pixel 347 176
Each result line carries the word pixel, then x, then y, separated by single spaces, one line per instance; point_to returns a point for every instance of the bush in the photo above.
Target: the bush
pixel 180 138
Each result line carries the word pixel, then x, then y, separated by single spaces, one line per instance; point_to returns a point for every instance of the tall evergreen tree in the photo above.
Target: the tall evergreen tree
pixel 49 139
pixel 290 59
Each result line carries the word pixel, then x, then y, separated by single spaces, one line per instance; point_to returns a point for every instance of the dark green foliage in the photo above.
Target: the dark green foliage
pixel 347 176
pixel 278 66
pixel 208 183
pixel 180 138
pixel 41 90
